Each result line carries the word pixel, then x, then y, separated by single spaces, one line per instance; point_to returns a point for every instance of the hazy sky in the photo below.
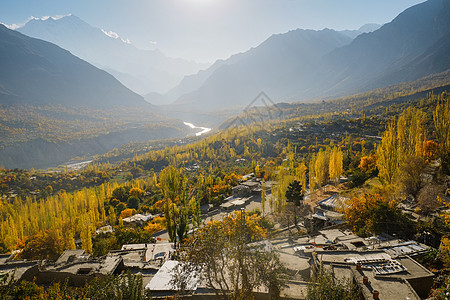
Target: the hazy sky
pixel 205 30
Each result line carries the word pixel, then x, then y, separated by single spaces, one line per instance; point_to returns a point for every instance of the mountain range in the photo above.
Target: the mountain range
pixel 38 72
pixel 302 65
pixel 142 71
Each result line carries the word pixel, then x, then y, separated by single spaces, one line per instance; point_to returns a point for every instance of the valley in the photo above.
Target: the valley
pixel 311 162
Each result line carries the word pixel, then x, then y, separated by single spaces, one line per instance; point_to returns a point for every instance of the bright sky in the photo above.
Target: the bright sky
pixel 205 30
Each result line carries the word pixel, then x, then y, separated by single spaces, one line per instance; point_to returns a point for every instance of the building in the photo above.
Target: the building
pixel 377 273
pixel 138 218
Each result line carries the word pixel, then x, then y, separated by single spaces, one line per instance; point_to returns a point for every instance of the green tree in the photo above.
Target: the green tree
pixel 294 194
pixel 134 202
pixel 327 287
pixel 124 287
pixel 176 207
pixel 121 193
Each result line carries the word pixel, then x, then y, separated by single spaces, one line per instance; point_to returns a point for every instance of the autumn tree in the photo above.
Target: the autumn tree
pixel 312 173
pixel 402 142
pixel 224 257
pixel 387 154
pixel 373 214
pixel 336 164
pixel 137 192
pixel 48 244
pixel 445 240
pixel 409 175
pixel 441 118
pixel 321 167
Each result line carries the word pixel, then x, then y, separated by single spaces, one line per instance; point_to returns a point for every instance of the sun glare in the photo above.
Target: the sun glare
pixel 201 2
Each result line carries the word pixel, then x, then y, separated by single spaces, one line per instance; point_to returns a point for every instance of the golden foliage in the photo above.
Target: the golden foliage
pixel 370 213
pixel 127 212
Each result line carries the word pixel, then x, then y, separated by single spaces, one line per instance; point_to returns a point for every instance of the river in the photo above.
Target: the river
pixel 203 129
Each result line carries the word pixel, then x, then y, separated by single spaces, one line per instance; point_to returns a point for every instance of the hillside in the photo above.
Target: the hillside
pixel 267 67
pixel 49 135
pixel 302 65
pixel 400 51
pixel 55 107
pixel 142 71
pixel 38 72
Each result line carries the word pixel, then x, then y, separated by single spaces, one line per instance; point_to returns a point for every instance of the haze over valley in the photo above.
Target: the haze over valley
pixel 65 62
pixel 225 149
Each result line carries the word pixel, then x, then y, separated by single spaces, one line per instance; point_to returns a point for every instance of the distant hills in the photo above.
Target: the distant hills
pixel 143 71
pixel 303 65
pixel 268 67
pixel 55 106
pixel 366 28
pixel 37 72
pixel 400 51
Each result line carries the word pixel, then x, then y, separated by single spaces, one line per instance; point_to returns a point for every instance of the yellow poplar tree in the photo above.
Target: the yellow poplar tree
pixel 441 117
pixel 387 154
pixel 336 164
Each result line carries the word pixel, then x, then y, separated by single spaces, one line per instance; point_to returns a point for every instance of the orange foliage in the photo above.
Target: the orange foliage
pixel 370 213
pixel 127 212
pixel 430 150
pixel 368 163
pixel 159 205
pixel 232 179
pixel 218 189
pixel 137 192
pixel 154 227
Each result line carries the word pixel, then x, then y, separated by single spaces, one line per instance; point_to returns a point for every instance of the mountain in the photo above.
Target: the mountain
pixel 192 82
pixel 189 83
pixel 366 28
pixel 388 55
pixel 302 65
pixel 37 72
pixel 143 71
pixel 55 106
pixel 267 67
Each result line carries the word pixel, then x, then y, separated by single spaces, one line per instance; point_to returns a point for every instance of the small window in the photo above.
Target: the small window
pixel 358 244
pixel 84 271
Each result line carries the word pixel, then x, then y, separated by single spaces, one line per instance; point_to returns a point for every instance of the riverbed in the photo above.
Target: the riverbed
pixel 202 131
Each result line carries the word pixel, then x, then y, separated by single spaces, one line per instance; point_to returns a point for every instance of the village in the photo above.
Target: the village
pixel 382 266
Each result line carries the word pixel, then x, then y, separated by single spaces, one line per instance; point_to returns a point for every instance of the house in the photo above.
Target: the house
pixel 161 285
pixel 77 271
pixel 335 203
pixel 329 212
pixel 377 273
pixel 138 218
pixel 105 229
pixel 20 269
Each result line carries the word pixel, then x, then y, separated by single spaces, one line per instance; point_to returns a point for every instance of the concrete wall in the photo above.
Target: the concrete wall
pixel 421 285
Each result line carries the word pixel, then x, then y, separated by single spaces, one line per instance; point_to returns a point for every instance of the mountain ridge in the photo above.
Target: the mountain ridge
pixel 38 72
pixel 108 51
pixel 248 69
pixel 399 51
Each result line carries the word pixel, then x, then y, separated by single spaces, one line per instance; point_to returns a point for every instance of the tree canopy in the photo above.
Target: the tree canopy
pixel 223 254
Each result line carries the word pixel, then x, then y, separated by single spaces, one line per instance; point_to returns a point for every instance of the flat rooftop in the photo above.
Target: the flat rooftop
pixel 388 288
